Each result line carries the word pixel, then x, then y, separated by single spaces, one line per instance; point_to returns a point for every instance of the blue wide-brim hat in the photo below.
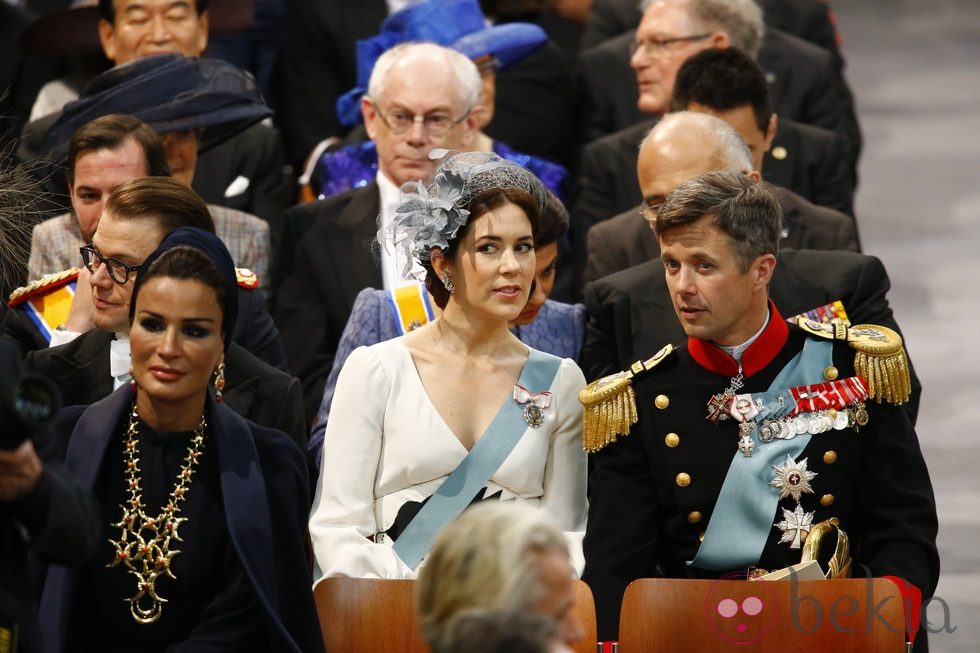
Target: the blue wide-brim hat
pixel 170 93
pixel 456 24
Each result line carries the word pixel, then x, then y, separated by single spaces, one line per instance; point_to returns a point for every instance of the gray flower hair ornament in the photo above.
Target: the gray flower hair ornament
pixel 431 215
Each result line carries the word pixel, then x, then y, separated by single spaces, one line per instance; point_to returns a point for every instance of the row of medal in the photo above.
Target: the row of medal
pixel 821 421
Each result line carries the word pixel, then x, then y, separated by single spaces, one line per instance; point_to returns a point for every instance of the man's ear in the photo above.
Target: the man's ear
pixel 370 115
pixel 107 37
pixel 755 175
pixel 771 131
pixel 720 40
pixel 202 41
pixel 763 269
pixel 471 126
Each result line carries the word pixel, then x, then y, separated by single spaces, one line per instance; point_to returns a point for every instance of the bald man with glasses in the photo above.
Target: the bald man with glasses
pixel 420 97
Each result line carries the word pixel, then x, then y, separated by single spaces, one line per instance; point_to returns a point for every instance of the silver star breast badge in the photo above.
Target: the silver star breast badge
pixel 792 479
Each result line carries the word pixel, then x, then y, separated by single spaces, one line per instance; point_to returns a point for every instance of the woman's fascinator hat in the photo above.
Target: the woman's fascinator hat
pixel 431 215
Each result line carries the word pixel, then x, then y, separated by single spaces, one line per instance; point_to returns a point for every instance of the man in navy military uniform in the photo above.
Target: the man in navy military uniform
pixel 755 433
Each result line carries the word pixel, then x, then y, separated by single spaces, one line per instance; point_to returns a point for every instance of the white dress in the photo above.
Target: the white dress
pixel 386 444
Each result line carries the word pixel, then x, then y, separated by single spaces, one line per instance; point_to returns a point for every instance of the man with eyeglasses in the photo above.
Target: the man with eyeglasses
pixel 103 154
pixel 806 88
pixel 420 97
pixel 91 365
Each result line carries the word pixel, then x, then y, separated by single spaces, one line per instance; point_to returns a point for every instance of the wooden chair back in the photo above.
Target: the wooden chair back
pixel 585 614
pixel 368 614
pixel 843 616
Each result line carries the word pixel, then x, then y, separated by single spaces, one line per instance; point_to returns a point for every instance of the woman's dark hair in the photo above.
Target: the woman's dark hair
pixel 553 223
pixel 184 263
pixel 479 205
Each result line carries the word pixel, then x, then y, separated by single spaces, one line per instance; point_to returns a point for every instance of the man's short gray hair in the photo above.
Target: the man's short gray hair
pixel 468 77
pixel 740 19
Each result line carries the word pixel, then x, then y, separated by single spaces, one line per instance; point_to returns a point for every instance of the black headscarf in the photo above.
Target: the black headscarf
pixel 212 247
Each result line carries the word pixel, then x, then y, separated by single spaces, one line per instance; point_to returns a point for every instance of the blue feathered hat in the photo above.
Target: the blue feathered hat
pixel 456 24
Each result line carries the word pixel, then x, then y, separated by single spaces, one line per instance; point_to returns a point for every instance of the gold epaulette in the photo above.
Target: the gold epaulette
pixel 610 404
pixel 45 284
pixel 880 358
pixel 246 278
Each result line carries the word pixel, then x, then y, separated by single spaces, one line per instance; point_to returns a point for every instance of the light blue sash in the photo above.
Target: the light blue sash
pixel 742 519
pixel 472 474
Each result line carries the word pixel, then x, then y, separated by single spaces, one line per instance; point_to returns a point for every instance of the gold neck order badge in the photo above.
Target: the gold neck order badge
pixel 144 545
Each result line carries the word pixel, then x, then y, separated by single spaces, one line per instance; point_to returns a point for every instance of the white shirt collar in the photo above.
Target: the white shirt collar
pixel 737 351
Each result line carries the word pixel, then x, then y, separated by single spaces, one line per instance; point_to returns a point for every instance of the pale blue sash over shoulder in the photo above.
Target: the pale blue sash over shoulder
pixel 472 474
pixel 742 519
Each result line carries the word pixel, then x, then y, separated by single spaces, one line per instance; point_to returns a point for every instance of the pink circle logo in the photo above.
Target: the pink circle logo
pixel 737 616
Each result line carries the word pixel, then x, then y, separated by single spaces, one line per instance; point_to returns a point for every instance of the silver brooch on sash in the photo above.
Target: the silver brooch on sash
pixel 792 479
pixel 535 403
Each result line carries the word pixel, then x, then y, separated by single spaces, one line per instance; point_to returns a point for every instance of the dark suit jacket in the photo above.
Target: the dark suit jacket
pixel 265 495
pixel 627 239
pixel 333 262
pixel 809 19
pixel 631 315
pixel 804 82
pixel 254 330
pixel 259 392
pixel 320 65
pixel 255 154
pixel 535 109
pixel 810 161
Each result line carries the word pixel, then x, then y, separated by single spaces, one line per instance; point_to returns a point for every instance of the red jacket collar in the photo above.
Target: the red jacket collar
pixel 759 354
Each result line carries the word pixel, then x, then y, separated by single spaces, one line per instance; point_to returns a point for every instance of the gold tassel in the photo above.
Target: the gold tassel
pixel 605 421
pixel 881 361
pixel 609 410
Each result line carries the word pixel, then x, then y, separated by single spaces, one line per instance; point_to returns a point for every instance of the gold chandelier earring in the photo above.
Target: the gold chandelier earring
pixel 219 381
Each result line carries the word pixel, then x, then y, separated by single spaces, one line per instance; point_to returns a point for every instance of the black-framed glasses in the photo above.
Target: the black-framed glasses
pixel 657 47
pixel 435 124
pixel 118 271
pixel 650 211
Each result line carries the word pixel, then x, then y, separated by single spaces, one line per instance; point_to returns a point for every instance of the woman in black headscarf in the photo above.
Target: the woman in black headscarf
pixel 203 511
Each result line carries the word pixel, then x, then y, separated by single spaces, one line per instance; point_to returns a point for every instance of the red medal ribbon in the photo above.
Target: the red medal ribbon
pixel 837 394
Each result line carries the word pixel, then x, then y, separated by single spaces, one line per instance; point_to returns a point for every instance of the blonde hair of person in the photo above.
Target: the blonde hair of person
pixel 485 560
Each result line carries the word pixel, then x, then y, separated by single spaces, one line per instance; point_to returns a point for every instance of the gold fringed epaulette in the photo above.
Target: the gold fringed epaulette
pixel 610 404
pixel 45 284
pixel 880 358
pixel 246 278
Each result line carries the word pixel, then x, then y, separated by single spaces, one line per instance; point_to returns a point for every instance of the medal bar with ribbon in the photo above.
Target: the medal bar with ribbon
pixel 535 403
pixel 815 408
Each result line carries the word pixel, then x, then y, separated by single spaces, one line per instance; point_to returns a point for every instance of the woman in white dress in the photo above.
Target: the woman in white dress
pixel 408 411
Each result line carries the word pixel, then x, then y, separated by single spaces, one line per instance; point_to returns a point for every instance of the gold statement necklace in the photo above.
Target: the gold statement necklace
pixel 144 544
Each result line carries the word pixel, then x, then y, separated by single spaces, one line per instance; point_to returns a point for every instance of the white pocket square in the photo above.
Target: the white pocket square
pixel 237 187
